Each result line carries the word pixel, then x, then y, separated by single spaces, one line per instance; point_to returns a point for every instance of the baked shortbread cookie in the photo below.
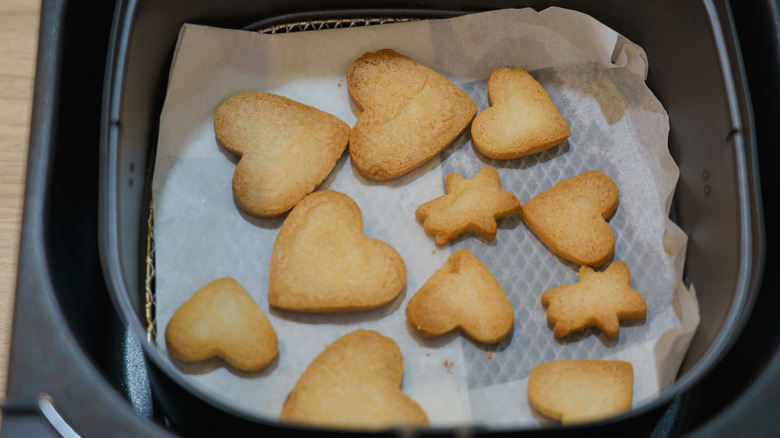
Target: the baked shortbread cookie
pixel 598 299
pixel 222 320
pixel 354 384
pixel 322 262
pixel 462 294
pixel 522 119
pixel 570 218
pixel 581 391
pixel 469 205
pixel 410 114
pixel 287 149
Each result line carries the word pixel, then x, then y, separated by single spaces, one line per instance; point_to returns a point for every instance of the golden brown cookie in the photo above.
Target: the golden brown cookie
pixel 222 320
pixel 570 218
pixel 581 391
pixel 322 262
pixel 598 299
pixel 469 205
pixel 522 119
pixel 287 149
pixel 462 294
pixel 354 384
pixel 410 114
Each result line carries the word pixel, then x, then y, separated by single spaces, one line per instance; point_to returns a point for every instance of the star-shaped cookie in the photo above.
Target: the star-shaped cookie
pixel 469 205
pixel 598 299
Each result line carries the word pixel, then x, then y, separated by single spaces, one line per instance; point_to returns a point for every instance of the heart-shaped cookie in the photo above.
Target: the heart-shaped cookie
pixel 287 149
pixel 354 384
pixel 462 294
pixel 410 114
pixel 222 320
pixel 322 262
pixel 570 218
pixel 522 119
pixel 581 391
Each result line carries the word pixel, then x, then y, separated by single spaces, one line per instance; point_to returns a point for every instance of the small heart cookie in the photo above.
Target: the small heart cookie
pixel 410 114
pixel 469 205
pixel 462 294
pixel 522 119
pixel 598 299
pixel 581 391
pixel 570 218
pixel 222 320
pixel 322 262
pixel 354 384
pixel 287 149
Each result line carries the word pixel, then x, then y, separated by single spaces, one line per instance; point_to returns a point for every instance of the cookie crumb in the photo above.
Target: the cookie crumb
pixel 489 355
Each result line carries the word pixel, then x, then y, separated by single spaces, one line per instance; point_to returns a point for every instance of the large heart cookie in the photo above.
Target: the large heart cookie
pixel 581 391
pixel 222 320
pixel 522 119
pixel 598 299
pixel 354 384
pixel 462 294
pixel 570 218
pixel 287 149
pixel 322 261
pixel 410 114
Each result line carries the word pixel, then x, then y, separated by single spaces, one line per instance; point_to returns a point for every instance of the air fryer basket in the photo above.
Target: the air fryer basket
pixel 695 72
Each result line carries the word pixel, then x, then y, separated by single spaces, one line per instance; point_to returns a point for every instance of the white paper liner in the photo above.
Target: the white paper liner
pixel 617 126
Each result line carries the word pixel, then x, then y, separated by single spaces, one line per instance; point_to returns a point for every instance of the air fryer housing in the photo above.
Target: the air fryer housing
pixel 79 334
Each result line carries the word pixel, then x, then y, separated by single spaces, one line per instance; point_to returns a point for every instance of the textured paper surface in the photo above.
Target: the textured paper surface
pixel 617 125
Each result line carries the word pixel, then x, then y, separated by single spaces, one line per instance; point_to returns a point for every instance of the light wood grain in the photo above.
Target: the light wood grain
pixel 19 20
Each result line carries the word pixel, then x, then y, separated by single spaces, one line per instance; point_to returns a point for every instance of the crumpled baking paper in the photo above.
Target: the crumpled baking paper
pixel 596 79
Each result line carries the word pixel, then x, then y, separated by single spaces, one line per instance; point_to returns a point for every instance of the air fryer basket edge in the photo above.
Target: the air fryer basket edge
pixel 113 265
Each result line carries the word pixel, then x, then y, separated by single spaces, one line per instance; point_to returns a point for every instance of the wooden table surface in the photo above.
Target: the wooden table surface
pixel 19 22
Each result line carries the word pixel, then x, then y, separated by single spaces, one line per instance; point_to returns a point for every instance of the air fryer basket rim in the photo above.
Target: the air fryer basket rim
pixel 751 259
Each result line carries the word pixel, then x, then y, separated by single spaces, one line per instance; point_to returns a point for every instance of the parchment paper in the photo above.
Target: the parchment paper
pixel 617 126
